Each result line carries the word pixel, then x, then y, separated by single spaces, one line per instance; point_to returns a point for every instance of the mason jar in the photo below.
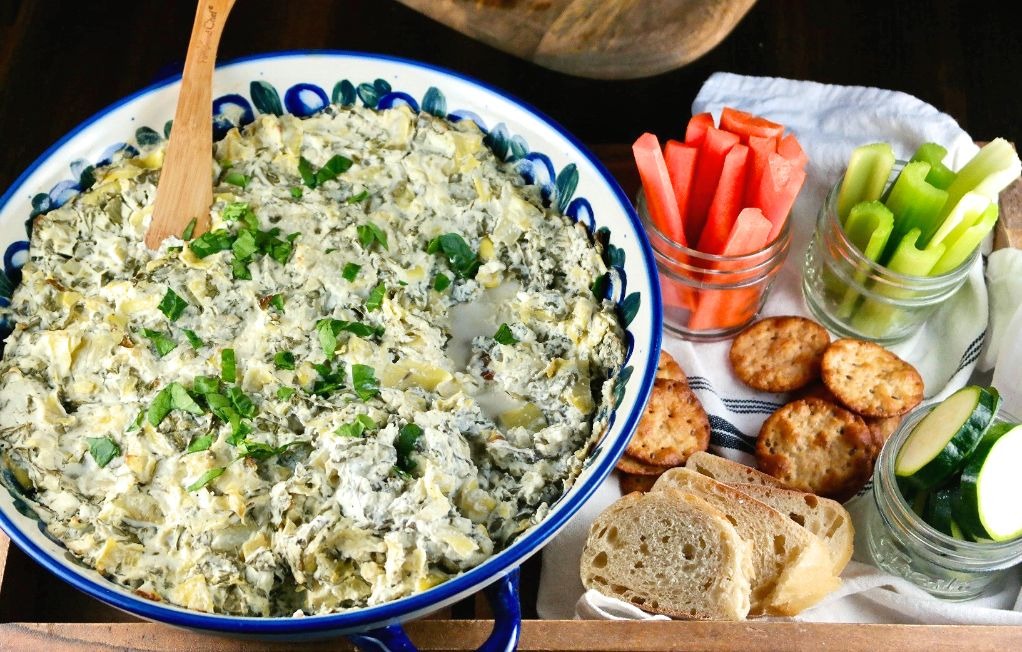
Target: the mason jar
pixel 903 544
pixel 710 297
pixel 854 296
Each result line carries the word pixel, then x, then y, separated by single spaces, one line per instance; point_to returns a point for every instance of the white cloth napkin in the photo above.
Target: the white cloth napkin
pixel 829 122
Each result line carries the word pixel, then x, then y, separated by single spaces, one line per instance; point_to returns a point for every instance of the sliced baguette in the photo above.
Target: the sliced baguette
pixel 670 553
pixel 825 518
pixel 728 471
pixel 793 566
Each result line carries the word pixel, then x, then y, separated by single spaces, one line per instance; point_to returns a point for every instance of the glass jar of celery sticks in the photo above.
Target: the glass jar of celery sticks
pixel 849 291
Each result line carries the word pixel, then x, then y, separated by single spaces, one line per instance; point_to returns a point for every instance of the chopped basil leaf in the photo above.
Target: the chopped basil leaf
pixel 182 400
pixel 375 298
pixel 242 403
pixel 238 210
pixel 307 173
pixel 172 397
pixel 296 192
pixel 354 199
pixel 240 270
pixel 358 427
pixel 137 423
pixel 284 393
pixel 279 250
pixel 161 341
pixel 329 329
pixel 206 385
pixel 236 179
pixel 350 271
pixel 175 250
pixel 228 366
pixel 277 301
pixel 172 305
pixel 200 444
pixel 441 282
pixel 189 229
pixel 336 165
pixel 103 449
pixel 368 233
pixel 505 336
pixel 464 262
pixel 330 379
pixel 193 339
pixel 404 444
pixel 206 478
pixel 284 360
pixel 363 379
pixel 244 245
pixel 211 242
pixel 327 336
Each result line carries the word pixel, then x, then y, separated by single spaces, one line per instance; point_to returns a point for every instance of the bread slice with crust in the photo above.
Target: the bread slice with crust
pixel 825 518
pixel 671 553
pixel 793 566
pixel 728 471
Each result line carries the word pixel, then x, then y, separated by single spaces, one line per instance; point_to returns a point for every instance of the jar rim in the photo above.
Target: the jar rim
pixel 880 272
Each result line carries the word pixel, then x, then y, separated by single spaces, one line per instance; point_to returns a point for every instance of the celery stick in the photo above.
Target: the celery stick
pixel 959 249
pixel 868 227
pixel 915 204
pixel 879 318
pixel 989 172
pixel 940 175
pixel 868 169
pixel 966 212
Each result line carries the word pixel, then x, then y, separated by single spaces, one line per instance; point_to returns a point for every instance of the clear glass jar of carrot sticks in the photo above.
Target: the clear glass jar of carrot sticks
pixel 715 207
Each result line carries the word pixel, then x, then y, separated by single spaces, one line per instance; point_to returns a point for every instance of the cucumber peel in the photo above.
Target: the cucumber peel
pixel 941 443
pixel 991 485
pixel 868 169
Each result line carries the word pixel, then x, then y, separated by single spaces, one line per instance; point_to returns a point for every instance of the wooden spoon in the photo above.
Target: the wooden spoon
pixel 185 190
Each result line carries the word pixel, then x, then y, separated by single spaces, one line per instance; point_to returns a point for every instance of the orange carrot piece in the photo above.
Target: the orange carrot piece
pixel 749 234
pixel 746 125
pixel 681 166
pixel 781 182
pixel 696 129
pixel 656 182
pixel 789 148
pixel 712 152
pixel 760 149
pixel 727 201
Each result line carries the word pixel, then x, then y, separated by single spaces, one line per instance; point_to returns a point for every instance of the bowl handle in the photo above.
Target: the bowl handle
pixel 507 623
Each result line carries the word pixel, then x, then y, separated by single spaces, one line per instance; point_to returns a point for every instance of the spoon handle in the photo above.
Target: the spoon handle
pixel 185 190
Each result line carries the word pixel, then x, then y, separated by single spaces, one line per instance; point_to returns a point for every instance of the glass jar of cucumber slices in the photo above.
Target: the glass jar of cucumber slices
pixel 852 294
pixel 946 492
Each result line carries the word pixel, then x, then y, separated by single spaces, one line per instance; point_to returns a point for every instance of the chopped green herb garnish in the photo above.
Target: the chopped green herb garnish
pixel 172 397
pixel 203 385
pixel 241 402
pixel 327 336
pixel 330 378
pixel 369 233
pixel 211 242
pixel 200 444
pixel 103 449
pixel 236 211
pixel 404 444
pixel 206 478
pixel 236 179
pixel 285 393
pixel 441 282
pixel 358 427
pixel 189 229
pixel 161 341
pixel 350 271
pixel 336 165
pixel 375 298
pixel 175 250
pixel 244 245
pixel 307 173
pixel 504 335
pixel 172 305
pixel 240 270
pixel 279 250
pixel 193 339
pixel 277 301
pixel 329 329
pixel 228 366
pixel 137 423
pixel 284 360
pixel 354 199
pixel 296 192
pixel 464 262
pixel 363 379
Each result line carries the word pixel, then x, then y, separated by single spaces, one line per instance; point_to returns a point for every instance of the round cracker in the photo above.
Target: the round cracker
pixel 640 483
pixel 779 354
pixel 673 427
pixel 882 427
pixel 869 379
pixel 669 369
pixel 815 445
pixel 628 464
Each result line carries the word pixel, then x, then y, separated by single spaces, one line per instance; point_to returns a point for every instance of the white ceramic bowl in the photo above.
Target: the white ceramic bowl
pixel 302 83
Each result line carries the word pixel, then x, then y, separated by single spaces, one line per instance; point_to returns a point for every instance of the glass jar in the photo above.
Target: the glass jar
pixel 902 543
pixel 854 296
pixel 709 297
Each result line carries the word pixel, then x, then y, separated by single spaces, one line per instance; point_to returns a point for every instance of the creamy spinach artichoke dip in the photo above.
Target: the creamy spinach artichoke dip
pixel 382 363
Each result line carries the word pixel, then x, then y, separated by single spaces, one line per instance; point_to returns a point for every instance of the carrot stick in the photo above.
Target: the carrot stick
pixel 696 129
pixel 656 182
pixel 712 152
pixel 727 201
pixel 681 166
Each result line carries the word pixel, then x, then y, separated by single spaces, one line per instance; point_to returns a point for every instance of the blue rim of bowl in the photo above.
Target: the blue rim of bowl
pixel 483 574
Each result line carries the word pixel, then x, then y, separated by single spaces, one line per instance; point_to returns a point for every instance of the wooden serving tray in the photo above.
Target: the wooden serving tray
pixel 40 612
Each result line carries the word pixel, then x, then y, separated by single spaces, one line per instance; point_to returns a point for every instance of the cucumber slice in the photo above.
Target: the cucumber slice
pixel 942 441
pixel 991 486
pixel 938 510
